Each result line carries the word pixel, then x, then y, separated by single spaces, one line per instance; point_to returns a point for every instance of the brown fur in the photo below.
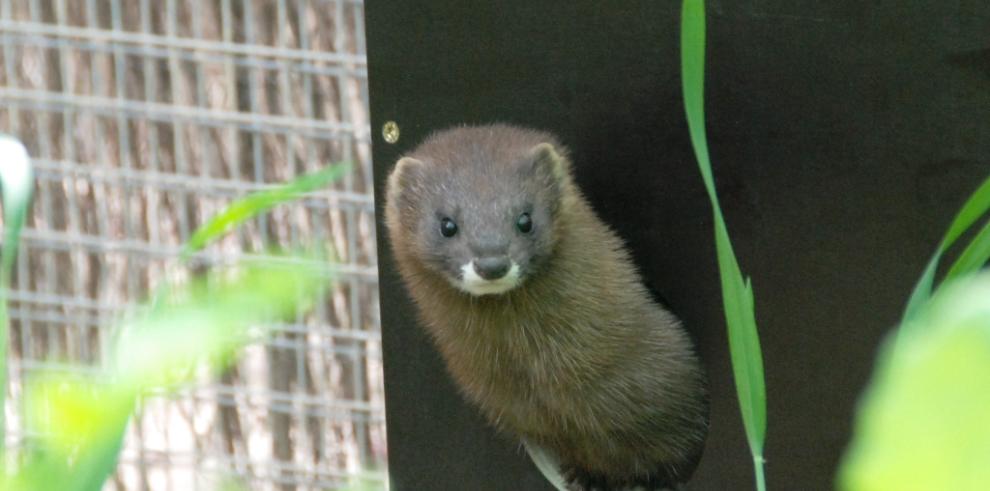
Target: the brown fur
pixel 578 359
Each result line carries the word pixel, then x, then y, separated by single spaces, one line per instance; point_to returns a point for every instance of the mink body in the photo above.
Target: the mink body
pixel 567 350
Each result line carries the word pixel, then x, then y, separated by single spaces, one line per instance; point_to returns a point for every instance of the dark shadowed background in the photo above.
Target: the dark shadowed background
pixel 844 136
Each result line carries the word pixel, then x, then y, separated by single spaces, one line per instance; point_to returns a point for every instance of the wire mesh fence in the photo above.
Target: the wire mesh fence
pixel 143 119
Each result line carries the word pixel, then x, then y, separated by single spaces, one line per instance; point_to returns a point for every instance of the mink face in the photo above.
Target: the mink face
pixel 485 239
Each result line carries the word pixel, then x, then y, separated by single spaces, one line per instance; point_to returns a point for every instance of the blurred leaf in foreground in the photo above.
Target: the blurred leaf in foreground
pixel 17 184
pixel 77 422
pixel 972 257
pixel 80 420
pixel 212 321
pixel 924 422
pixel 252 205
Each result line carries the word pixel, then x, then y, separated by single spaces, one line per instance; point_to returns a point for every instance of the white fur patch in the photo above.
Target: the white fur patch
pixel 476 285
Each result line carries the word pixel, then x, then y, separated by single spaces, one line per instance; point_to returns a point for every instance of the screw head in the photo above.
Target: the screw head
pixel 390 131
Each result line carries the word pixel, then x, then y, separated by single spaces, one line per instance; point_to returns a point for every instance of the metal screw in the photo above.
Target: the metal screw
pixel 390 131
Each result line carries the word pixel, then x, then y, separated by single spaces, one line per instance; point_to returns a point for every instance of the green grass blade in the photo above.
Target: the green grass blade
pixel 737 293
pixel 17 184
pixel 246 208
pixel 975 207
pixel 744 345
pixel 693 82
pixel 923 290
pixel 973 257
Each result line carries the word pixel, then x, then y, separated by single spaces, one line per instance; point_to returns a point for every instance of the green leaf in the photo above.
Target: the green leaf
pixel 17 183
pixel 744 344
pixel 156 352
pixel 973 257
pixel 37 470
pixel 83 424
pixel 924 421
pixel 923 290
pixel 737 293
pixel 248 207
pixel 975 207
pixel 693 82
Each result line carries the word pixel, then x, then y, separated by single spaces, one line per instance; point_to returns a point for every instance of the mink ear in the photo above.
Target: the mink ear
pixel 405 174
pixel 547 161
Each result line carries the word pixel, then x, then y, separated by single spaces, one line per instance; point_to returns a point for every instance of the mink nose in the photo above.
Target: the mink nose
pixel 491 268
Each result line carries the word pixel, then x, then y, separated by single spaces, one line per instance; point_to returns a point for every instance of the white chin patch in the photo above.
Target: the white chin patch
pixel 476 285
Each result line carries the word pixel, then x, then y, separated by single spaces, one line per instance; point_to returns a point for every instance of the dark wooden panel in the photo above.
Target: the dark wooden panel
pixel 844 135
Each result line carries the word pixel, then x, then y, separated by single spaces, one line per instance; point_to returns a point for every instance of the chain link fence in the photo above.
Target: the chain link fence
pixel 144 118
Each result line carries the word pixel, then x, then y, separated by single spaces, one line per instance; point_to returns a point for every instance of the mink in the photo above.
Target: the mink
pixel 539 312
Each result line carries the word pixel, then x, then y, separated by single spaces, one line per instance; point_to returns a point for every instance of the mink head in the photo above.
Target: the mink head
pixel 479 206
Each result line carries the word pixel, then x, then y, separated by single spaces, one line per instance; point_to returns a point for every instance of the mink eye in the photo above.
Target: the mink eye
pixel 448 228
pixel 524 223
